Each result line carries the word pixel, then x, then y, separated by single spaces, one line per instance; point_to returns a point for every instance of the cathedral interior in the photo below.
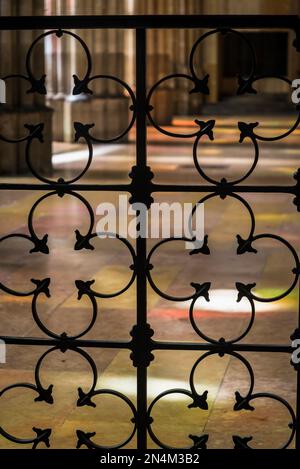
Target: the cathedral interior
pixel 60 154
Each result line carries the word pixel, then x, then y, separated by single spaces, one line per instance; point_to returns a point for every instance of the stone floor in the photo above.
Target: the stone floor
pixel 173 271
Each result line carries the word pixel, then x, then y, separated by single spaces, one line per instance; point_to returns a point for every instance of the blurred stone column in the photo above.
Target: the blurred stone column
pixel 186 104
pixel 108 106
pixel 22 107
pixel 195 100
pixel 64 58
pixel 60 53
pixel 181 55
pixel 74 62
pixel 211 63
pixel 159 62
pixel 168 53
pixel 110 102
pixel 129 56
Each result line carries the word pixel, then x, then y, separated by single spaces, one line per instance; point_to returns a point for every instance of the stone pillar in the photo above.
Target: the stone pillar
pixel 108 107
pixel 159 62
pixel 183 41
pixel 60 53
pixel 211 63
pixel 75 107
pixel 21 107
pixel 195 100
pixel 129 56
pixel 168 53
pixel 180 58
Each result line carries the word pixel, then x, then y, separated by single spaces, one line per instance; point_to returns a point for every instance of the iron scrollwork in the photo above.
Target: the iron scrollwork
pixel 143 344
pixel 223 189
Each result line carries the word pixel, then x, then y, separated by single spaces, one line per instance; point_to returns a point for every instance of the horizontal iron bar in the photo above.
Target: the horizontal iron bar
pixel 53 342
pixel 227 189
pixel 65 187
pixel 155 345
pixel 153 187
pixel 219 347
pixel 148 21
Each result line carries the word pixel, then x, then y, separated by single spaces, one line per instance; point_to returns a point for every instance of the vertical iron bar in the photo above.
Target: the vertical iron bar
pixel 141 245
pixel 297 439
pixel 298 412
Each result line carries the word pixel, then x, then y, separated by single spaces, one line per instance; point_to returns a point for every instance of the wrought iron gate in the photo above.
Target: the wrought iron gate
pixel 143 343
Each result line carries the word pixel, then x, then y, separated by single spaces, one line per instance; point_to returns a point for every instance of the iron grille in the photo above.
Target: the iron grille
pixel 143 344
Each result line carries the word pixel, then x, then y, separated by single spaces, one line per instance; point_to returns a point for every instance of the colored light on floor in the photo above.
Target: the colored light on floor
pixel 224 301
pixel 155 386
